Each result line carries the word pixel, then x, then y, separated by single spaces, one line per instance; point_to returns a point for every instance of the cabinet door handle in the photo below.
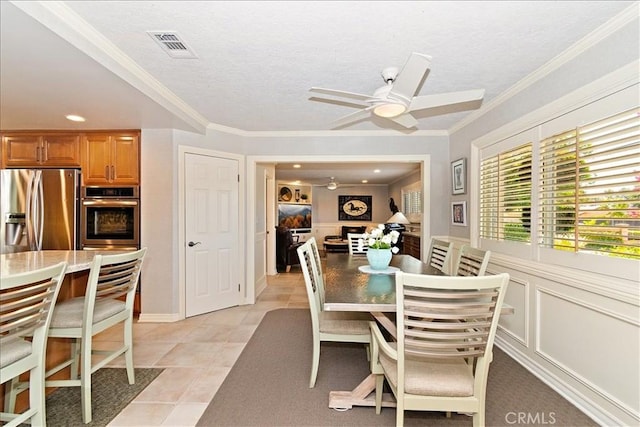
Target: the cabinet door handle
pixel 106 173
pixel 113 172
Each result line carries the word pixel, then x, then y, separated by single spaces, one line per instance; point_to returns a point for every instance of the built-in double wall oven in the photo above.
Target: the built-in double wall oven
pixel 110 218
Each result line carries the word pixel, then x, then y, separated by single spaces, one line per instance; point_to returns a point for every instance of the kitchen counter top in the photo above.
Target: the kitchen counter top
pixel 21 262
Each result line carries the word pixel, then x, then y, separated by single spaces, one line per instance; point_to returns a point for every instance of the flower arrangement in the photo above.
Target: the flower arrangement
pixel 377 239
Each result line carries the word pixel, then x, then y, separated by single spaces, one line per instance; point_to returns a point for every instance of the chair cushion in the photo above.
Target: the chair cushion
pixel 68 314
pixel 331 325
pixel 431 377
pixel 14 351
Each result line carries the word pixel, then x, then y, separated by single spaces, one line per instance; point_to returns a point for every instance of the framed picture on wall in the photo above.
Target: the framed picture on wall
pixel 459 176
pixel 354 208
pixel 459 213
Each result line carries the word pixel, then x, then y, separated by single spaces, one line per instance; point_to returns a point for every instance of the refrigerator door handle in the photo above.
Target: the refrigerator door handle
pixel 28 220
pixel 39 223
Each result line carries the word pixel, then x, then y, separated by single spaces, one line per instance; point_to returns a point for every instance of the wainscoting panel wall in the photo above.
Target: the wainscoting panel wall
pixel 516 325
pixel 580 340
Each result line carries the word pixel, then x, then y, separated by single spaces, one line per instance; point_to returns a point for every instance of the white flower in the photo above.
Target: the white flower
pixel 377 239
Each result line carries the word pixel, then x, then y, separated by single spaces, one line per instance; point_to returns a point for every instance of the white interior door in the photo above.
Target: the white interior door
pixel 211 232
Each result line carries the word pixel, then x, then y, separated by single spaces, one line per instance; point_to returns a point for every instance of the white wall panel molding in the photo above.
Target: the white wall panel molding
pixel 516 325
pixel 563 387
pixel 609 338
pixel 609 287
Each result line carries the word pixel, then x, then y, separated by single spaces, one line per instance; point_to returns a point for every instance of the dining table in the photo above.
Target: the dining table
pixel 351 285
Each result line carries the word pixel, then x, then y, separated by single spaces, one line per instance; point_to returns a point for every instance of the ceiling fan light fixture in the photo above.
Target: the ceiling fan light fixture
pixel 332 185
pixel 389 110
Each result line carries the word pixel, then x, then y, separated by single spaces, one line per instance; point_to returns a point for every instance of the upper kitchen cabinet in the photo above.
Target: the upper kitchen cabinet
pixel 40 150
pixel 111 158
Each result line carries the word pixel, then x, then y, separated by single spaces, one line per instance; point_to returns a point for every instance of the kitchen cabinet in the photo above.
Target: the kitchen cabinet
pixel 111 158
pixel 411 245
pixel 31 149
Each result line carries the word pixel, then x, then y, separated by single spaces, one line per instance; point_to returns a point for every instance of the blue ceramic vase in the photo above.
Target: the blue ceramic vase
pixel 379 259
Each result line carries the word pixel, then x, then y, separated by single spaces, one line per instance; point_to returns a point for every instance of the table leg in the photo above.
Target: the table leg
pixel 364 393
pixel 386 323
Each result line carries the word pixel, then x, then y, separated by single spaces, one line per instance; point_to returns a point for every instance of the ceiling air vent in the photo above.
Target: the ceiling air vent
pixel 171 43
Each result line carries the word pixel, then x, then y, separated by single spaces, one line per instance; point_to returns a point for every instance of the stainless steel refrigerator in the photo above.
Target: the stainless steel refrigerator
pixel 40 209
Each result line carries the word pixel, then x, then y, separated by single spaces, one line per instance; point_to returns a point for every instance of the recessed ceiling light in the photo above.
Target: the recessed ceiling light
pixel 75 118
pixel 376 171
pixel 364 181
pixel 296 166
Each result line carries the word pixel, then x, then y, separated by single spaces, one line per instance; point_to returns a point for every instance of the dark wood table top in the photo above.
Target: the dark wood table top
pixel 349 289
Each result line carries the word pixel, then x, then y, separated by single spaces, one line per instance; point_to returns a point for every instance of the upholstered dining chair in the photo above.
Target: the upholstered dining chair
pixel 326 327
pixel 111 278
pixel 471 261
pixel 27 302
pixel 355 248
pixel 439 254
pixel 446 326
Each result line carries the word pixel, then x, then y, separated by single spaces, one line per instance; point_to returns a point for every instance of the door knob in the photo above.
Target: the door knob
pixel 192 244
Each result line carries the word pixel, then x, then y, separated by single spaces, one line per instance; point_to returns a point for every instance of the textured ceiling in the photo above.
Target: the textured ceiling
pixel 257 60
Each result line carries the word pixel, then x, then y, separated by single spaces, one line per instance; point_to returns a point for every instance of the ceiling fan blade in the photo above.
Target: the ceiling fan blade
pixel 340 93
pixel 352 117
pixel 407 83
pixel 341 102
pixel 454 100
pixel 406 120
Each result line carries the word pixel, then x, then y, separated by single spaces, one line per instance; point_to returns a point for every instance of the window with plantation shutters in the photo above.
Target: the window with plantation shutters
pixel 412 203
pixel 589 192
pixel 505 195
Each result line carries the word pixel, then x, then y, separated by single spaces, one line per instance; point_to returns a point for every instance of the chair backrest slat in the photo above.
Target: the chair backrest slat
pixel 118 279
pixel 472 261
pixel 358 244
pixel 439 254
pixel 26 301
pixel 318 263
pixel 310 274
pixel 448 317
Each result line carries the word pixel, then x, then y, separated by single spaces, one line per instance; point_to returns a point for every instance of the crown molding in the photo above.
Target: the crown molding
pixel 63 21
pixel 601 33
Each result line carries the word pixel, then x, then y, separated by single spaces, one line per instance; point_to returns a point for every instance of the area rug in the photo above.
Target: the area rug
pixel 111 393
pixel 269 386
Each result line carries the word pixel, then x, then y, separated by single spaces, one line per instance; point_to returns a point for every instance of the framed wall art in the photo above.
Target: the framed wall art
pixel 459 213
pixel 354 208
pixel 459 176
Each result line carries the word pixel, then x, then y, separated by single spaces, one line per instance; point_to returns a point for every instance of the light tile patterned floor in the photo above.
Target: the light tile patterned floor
pixel 197 354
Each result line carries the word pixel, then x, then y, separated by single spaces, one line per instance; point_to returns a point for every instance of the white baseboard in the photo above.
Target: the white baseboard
pixel 159 317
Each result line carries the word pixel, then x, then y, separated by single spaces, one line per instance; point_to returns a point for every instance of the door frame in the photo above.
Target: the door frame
pixel 252 161
pixel 242 270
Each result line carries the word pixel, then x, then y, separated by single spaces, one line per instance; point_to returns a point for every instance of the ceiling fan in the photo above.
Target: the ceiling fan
pixel 395 101
pixel 333 184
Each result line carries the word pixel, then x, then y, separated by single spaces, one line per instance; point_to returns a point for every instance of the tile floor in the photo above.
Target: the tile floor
pixel 196 354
